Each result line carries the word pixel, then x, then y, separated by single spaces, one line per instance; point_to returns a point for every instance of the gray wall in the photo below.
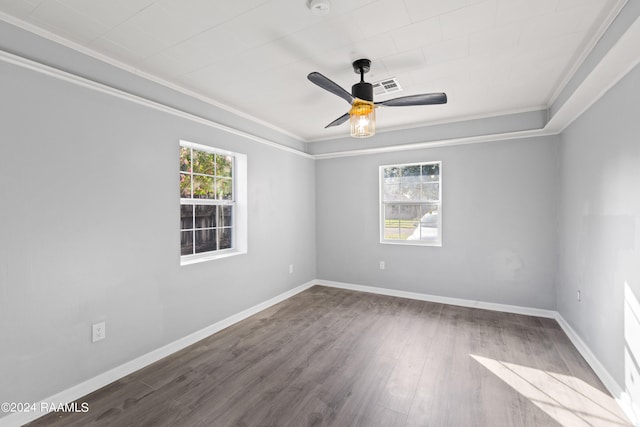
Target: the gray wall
pixel 31 46
pixel 600 227
pixel 88 225
pixel 494 125
pixel 89 232
pixel 499 224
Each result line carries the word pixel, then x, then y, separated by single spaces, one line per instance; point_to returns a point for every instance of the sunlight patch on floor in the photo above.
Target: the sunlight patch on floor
pixel 568 400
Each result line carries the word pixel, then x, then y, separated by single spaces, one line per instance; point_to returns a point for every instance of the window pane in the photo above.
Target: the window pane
pixel 391 171
pixel 224 165
pixel 203 187
pixel 205 240
pixel 411 170
pixel 225 238
pixel 430 172
pixel 203 162
pixel 400 220
pixel 431 191
pixel 410 191
pixel 392 180
pixel 427 229
pixel 205 216
pixel 185 159
pixel 411 203
pixel 391 193
pixel 411 222
pixel 224 216
pixel 225 189
pixel 185 185
pixel 186 217
pixel 186 242
pixel 392 230
pixel 206 179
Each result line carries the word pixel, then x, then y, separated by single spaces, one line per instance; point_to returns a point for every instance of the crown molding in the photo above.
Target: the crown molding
pixel 133 70
pixel 427 125
pixel 619 60
pixel 439 143
pixel 99 87
pixel 586 51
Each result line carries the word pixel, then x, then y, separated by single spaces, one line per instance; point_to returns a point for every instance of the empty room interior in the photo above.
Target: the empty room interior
pixel 320 212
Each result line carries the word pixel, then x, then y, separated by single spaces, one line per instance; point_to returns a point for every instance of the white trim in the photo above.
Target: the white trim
pixel 568 112
pixel 516 309
pixel 438 143
pixel 121 65
pixel 451 121
pixel 467 118
pixel 99 87
pixel 623 398
pixel 437 242
pixel 621 58
pixel 616 63
pixel 101 380
pixel 238 202
pixel 589 46
pixel 207 148
pixel 76 392
pixel 209 256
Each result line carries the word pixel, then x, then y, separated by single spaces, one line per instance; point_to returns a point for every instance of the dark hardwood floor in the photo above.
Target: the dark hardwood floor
pixel 343 358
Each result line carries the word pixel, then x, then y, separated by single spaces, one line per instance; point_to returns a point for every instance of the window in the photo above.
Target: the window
pixel 209 202
pixel 410 204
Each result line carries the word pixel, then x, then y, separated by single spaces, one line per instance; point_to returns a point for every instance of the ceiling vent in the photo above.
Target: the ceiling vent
pixel 389 85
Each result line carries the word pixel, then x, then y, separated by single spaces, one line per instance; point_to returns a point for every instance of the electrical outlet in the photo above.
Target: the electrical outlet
pixel 290 268
pixel 98 331
pixel 381 265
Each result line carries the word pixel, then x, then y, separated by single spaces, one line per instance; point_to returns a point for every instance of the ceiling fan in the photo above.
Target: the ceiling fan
pixel 362 112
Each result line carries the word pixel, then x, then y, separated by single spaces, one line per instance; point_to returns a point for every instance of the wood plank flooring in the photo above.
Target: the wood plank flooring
pixel 333 357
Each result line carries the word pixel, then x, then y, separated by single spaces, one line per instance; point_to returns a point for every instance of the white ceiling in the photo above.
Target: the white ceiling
pixel 490 56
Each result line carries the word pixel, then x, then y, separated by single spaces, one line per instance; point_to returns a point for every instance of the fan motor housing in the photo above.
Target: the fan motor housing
pixel 362 90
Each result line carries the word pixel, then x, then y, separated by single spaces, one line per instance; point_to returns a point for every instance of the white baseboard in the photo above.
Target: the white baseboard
pixel 516 309
pixel 622 397
pixel 95 383
pixel 76 392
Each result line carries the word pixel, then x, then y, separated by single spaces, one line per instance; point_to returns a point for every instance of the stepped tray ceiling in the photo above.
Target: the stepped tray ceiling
pixel 252 56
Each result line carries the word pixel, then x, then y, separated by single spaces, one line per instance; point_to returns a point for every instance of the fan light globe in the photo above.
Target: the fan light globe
pixel 362 117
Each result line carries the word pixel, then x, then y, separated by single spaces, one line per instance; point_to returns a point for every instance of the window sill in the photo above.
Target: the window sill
pixel 191 259
pixel 411 243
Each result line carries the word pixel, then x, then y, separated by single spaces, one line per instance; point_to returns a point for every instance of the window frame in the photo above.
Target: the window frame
pixel 382 204
pixel 237 202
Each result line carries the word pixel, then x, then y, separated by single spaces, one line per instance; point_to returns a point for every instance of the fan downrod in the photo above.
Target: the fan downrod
pixel 362 90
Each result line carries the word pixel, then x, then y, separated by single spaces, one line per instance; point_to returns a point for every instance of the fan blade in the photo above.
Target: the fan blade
pixel 340 120
pixel 422 99
pixel 330 86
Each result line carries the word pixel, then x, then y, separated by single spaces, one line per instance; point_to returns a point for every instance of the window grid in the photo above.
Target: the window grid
pixel 214 230
pixel 410 204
